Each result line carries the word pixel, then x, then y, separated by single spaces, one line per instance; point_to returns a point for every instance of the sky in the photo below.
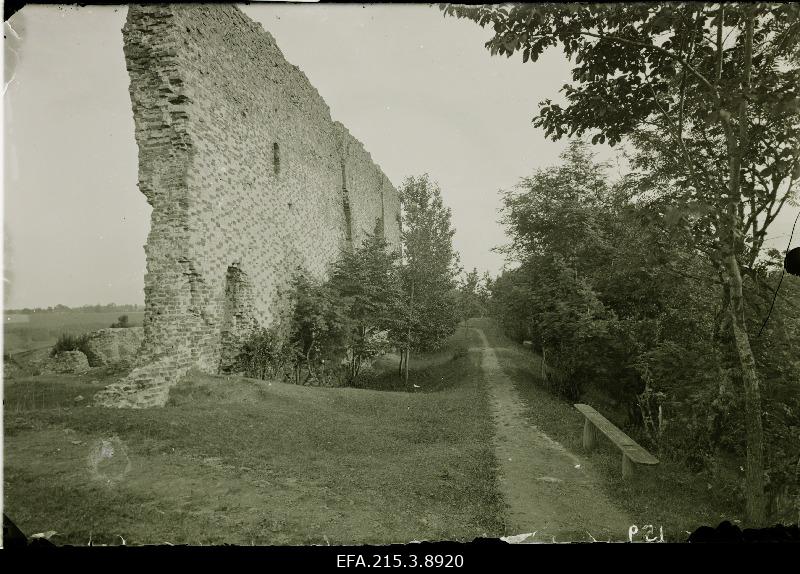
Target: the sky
pixel 419 90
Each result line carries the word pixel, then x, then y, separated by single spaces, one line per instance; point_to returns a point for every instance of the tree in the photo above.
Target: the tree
pixel 470 293
pixel 332 328
pixel 717 82
pixel 367 281
pixel 472 297
pixel 484 291
pixel 430 265
pixel 624 302
pixel 318 332
pixel 563 222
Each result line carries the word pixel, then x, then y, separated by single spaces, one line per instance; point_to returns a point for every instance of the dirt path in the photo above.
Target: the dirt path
pixel 550 491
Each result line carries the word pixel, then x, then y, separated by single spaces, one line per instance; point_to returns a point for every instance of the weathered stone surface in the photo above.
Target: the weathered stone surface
pixel 249 179
pixel 109 346
pixel 73 362
pixel 147 386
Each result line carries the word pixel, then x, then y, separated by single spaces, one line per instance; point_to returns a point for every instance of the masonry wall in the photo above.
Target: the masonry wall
pixel 248 176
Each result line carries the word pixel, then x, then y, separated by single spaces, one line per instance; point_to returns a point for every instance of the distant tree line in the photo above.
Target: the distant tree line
pixel 108 308
pixel 474 293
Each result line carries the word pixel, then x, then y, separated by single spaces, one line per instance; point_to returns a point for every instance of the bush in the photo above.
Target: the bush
pixel 68 342
pixel 308 345
pixel 318 331
pixel 265 356
pixel 122 322
pixel 333 328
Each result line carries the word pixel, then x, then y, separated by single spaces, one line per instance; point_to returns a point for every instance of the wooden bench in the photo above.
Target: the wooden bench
pixel 632 453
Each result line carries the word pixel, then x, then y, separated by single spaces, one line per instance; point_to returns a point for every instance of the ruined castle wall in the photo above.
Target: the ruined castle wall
pixel 248 176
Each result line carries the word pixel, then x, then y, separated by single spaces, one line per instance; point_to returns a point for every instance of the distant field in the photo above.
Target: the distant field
pixel 42 329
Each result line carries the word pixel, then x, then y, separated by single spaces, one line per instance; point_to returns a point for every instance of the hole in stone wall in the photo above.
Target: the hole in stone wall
pixel 276 158
pixel 237 319
pixel 381 226
pixel 348 223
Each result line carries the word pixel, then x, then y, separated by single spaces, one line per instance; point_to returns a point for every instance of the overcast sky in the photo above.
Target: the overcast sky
pixel 420 91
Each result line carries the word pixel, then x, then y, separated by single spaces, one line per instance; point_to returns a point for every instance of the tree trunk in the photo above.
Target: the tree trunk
pixel 543 372
pixel 754 463
pixel 724 312
pixel 408 356
pixel 408 343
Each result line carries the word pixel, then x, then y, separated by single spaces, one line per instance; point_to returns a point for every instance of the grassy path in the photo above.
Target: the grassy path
pixel 669 499
pixel 552 493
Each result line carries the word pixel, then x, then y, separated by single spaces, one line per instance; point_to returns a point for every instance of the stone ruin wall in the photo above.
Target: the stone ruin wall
pixel 249 178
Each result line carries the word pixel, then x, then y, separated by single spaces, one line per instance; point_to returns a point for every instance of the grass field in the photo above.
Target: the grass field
pixel 43 329
pixel 241 461
pixel 667 496
pixel 233 460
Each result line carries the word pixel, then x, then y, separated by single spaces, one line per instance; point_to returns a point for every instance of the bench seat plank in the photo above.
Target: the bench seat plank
pixel 626 444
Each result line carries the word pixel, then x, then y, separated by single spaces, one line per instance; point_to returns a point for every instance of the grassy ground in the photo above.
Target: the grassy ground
pixel 427 368
pixel 42 329
pixel 668 496
pixel 240 461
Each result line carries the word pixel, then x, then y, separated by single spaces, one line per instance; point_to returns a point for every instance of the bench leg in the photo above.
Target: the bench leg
pixel 589 436
pixel 627 467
